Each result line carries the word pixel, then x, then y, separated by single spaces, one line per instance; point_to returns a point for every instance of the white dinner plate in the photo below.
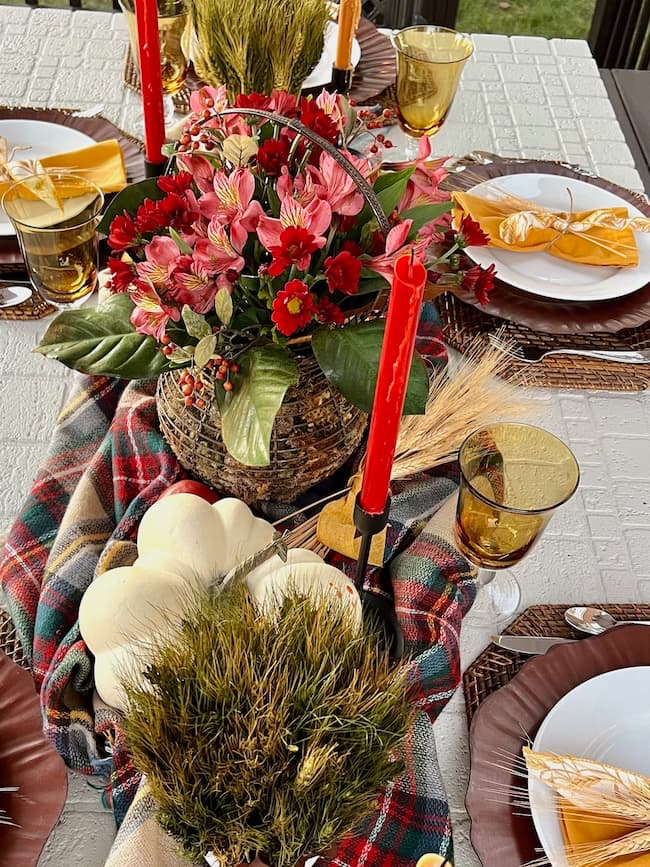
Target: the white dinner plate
pixel 321 74
pixel 43 140
pixel 606 719
pixel 549 276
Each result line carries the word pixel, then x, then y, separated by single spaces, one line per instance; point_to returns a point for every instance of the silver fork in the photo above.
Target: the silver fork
pixel 533 354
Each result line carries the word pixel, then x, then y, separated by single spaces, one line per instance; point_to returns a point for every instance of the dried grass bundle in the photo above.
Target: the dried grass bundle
pixel 266 734
pixel 257 45
pixel 471 397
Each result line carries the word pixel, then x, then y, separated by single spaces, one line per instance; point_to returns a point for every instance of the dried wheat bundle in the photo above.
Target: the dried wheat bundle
pixel 470 398
pixel 256 46
pixel 596 793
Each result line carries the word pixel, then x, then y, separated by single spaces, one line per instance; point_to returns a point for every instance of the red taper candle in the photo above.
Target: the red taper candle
pixel 406 296
pixel 146 13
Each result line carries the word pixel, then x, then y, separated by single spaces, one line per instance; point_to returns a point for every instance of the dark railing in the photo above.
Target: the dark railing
pixel 620 34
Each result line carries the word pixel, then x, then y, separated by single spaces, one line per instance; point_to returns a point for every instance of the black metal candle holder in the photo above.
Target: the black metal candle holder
pixel 341 79
pixel 376 609
pixel 154 170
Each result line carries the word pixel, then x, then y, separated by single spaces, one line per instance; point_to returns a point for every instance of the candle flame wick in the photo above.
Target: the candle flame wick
pixel 411 261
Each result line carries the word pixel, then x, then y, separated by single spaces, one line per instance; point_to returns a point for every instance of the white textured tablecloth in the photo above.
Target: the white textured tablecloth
pixel 520 96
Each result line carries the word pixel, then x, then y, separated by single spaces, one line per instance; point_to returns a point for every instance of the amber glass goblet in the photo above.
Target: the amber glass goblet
pixel 174 63
pixel 430 61
pixel 513 478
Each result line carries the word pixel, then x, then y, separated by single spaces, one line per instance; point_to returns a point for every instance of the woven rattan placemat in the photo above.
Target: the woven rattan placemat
pixel 9 642
pixel 34 308
pixel 495 667
pixel 463 325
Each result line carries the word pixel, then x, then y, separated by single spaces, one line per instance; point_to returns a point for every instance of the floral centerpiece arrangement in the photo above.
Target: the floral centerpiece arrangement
pixel 260 244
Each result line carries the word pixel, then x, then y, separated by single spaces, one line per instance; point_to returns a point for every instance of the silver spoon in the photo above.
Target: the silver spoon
pixel 594 621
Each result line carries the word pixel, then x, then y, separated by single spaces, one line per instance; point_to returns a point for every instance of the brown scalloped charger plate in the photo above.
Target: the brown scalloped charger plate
pixel 99 129
pixel 551 316
pixel 500 835
pixel 28 761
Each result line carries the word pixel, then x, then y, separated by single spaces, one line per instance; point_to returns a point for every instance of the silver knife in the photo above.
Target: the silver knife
pixel 532 645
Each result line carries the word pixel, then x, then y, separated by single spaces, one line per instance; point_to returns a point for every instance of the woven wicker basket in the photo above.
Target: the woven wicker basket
pixel 315 432
pixel 316 429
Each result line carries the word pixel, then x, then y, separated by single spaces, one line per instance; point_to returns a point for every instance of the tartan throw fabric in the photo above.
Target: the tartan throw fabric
pixel 108 463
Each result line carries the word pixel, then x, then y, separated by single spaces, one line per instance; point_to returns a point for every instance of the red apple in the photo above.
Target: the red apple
pixel 189 486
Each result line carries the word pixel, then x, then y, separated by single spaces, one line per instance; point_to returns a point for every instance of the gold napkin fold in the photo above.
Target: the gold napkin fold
pixel 604 811
pixel 101 163
pixel 599 237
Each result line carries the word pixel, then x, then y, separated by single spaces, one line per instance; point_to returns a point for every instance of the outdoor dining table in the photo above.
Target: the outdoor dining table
pixel 521 97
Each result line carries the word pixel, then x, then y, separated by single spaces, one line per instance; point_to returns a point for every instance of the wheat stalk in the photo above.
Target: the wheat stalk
pixel 257 45
pixel 458 404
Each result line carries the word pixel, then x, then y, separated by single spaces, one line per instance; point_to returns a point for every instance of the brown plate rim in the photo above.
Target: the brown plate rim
pixel 552 316
pixel 28 761
pixel 97 128
pixel 508 718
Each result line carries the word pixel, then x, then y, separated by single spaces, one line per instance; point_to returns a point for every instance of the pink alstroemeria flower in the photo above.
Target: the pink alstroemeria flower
pixel 151 314
pixel 395 247
pixel 232 204
pixel 218 253
pixel 423 187
pixel 301 188
pixel 160 253
pixel 315 218
pixel 201 170
pixel 199 99
pixel 330 104
pixel 284 103
pixel 192 285
pixel 337 188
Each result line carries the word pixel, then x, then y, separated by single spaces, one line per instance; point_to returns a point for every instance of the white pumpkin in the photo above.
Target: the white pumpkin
pixel 185 544
pixel 305 574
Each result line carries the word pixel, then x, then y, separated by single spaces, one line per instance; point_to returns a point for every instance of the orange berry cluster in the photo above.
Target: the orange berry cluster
pixel 193 137
pixel 225 371
pixel 191 388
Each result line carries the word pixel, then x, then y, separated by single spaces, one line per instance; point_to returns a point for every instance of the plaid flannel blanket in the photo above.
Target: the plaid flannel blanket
pixel 108 464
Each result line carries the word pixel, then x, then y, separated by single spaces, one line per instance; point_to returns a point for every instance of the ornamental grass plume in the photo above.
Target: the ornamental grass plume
pixel 266 734
pixel 257 46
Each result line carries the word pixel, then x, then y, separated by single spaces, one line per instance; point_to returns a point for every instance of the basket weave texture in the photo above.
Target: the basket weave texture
pixel 315 432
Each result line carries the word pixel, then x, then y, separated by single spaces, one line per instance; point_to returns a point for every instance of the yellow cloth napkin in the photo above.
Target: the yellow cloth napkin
pixel 101 163
pixel 604 811
pixel 593 828
pixel 598 246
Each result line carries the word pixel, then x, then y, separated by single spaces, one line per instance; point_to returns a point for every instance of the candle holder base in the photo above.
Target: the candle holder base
pixel 341 79
pixel 154 170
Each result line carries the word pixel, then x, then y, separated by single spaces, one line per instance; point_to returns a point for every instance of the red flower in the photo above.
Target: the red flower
pixel 123 232
pixel 351 246
pixel 122 274
pixel 315 118
pixel 148 217
pixel 470 234
pixel 176 211
pixel 179 183
pixel 480 281
pixel 293 307
pixel 343 273
pixel 273 155
pixel 253 100
pixel 328 313
pixel 296 247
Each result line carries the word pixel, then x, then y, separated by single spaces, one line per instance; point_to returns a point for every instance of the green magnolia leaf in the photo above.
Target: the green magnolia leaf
pixel 204 349
pixel 195 323
pixel 389 187
pixel 103 342
pixel 223 305
pixel 180 243
pixel 372 282
pixel 247 416
pixel 423 214
pixel 129 199
pixel 349 358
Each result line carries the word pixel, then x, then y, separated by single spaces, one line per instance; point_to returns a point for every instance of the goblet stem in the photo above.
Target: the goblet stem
pixel 504 592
